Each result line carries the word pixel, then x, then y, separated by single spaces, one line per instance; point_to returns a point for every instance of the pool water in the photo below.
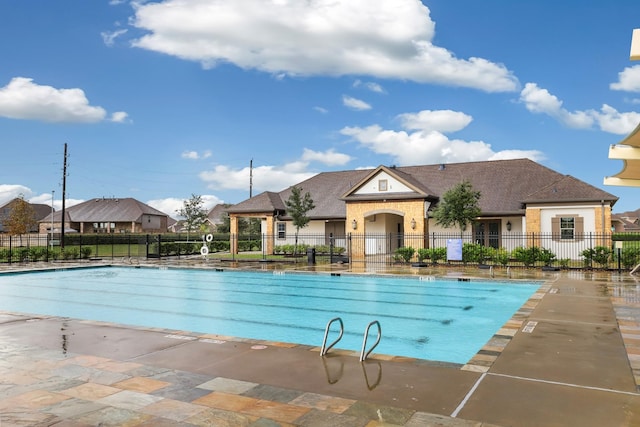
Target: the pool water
pixel 443 320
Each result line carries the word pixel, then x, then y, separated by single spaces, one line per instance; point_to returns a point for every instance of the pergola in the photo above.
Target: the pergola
pixel 628 150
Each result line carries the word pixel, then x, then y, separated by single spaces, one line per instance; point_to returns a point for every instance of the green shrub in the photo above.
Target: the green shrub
pixel 85 252
pixel 599 255
pixel 474 252
pixel 501 256
pixel 629 257
pixel 527 256
pixel 433 254
pixel 546 256
pixel 405 253
pixel 70 253
pixel 37 253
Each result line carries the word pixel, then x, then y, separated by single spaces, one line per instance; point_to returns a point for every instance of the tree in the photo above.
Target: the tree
pixel 193 213
pixel 297 207
pixel 458 207
pixel 22 218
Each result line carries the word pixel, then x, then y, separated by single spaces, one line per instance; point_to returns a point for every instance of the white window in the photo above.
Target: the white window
pixel 282 230
pixel 382 185
pixel 567 227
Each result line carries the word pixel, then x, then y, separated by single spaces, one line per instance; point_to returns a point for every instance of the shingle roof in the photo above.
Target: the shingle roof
pixel 505 186
pixel 107 210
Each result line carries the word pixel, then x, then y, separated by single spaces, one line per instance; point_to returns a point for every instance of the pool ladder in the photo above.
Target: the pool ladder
pixel 363 355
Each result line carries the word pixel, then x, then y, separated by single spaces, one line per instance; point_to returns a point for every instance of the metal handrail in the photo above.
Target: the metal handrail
pixel 364 355
pixel 324 348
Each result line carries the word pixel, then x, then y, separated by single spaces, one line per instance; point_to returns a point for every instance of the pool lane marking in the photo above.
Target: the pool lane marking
pixel 455 413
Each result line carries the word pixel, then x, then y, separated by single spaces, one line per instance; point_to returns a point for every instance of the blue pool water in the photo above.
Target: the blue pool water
pixel 444 320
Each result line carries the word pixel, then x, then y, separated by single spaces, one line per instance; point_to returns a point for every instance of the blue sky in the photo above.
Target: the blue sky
pixel 159 100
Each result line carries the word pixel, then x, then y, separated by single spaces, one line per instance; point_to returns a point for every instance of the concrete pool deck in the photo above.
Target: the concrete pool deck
pixel 569 357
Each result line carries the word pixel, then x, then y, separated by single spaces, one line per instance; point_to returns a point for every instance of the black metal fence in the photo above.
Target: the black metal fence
pixel 589 250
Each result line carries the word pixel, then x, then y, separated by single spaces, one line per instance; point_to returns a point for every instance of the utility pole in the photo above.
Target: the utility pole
pixel 251 178
pixel 64 193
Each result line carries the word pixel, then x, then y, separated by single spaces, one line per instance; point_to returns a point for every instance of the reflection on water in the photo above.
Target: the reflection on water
pixel 64 337
pixel 334 370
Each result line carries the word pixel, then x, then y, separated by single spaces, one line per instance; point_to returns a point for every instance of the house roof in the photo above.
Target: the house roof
pixel 505 187
pixel 107 210
pixel 217 213
pixel 40 211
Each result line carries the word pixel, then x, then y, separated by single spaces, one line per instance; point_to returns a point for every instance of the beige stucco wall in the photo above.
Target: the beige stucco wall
pixel 406 209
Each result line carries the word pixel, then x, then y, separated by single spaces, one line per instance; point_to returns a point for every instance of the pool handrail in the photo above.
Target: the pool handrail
pixel 324 349
pixel 364 355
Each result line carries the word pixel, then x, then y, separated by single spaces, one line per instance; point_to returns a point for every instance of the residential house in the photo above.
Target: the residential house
pixel 517 196
pixel 40 211
pixel 216 216
pixel 109 215
pixel 626 221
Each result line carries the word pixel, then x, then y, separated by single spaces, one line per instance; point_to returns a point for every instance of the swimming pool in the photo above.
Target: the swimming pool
pixel 443 320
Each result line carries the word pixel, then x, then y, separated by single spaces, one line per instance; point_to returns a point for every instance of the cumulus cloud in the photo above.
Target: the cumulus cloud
pixel 628 80
pixel 194 155
pixel 24 99
pixel 355 104
pixel 272 178
pixel 314 37
pixel 9 192
pixel 440 120
pixel 422 140
pixel 172 205
pixel 329 157
pixel 608 119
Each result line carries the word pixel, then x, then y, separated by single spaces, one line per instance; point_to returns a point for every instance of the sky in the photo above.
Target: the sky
pixel 163 100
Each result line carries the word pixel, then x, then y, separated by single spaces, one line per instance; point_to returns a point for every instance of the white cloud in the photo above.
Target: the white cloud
pixel 355 104
pixel 427 144
pixel 439 120
pixel 119 117
pixel 23 99
pixel 628 80
pixel 321 110
pixel 171 205
pixel 373 87
pixel 314 37
pixel 9 192
pixel 109 37
pixel 329 157
pixel 272 178
pixel 194 155
pixel 608 119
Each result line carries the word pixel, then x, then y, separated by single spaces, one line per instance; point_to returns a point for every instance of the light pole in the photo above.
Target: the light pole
pixel 52 193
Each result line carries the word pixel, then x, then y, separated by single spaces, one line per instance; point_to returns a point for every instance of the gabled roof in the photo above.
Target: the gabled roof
pixel 419 190
pixel 505 187
pixel 107 210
